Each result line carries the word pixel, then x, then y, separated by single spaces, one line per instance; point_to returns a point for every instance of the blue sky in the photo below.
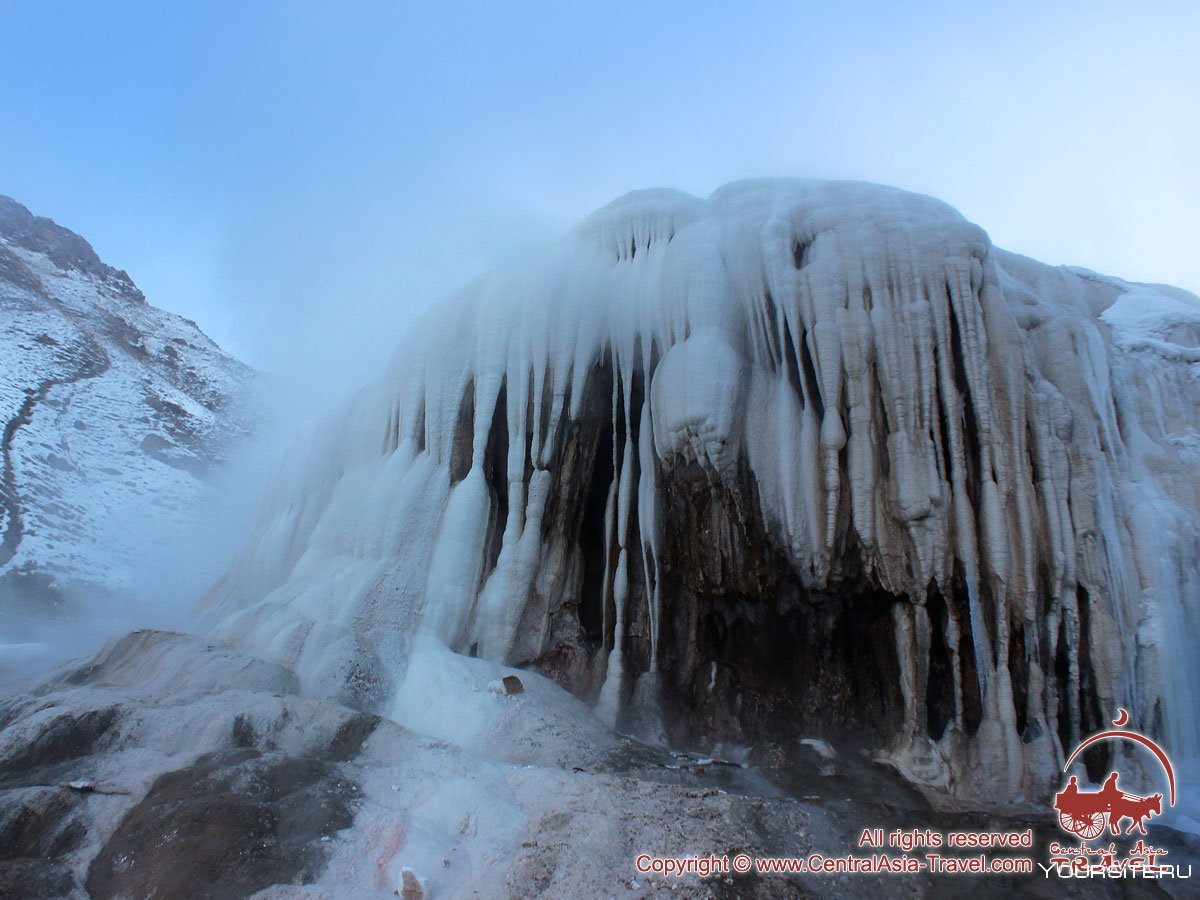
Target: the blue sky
pixel 300 178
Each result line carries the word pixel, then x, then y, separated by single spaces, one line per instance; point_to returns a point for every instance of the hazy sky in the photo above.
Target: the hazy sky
pixel 300 177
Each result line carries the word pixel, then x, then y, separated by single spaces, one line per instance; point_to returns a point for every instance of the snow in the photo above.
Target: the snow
pixel 82 458
pixel 448 696
pixel 114 413
pixel 531 801
pixel 699 386
pixel 877 366
pixel 1163 320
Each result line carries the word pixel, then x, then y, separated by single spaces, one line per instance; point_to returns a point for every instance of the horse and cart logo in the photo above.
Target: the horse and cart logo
pixel 1085 813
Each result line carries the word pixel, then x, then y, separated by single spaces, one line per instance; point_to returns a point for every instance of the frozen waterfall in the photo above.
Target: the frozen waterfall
pixel 800 457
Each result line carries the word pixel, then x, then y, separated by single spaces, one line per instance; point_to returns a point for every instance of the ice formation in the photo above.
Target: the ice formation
pixel 801 454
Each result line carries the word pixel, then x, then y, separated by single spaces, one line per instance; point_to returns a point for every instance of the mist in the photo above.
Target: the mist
pixel 170 558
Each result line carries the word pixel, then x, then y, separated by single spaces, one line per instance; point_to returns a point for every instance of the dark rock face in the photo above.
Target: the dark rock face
pixel 348 739
pixel 63 741
pixel 747 653
pixel 754 655
pixel 38 827
pixel 230 825
pixel 41 817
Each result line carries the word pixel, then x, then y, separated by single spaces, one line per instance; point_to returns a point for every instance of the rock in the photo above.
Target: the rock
pixel 297 821
pixel 235 822
pixel 412 886
pixel 507 686
pixel 73 806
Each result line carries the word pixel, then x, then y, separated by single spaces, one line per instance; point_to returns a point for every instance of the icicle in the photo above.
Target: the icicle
pixel 883 381
pixel 608 706
pixel 647 509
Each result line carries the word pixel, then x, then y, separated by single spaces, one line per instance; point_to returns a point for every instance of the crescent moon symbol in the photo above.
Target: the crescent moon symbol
pixel 1130 736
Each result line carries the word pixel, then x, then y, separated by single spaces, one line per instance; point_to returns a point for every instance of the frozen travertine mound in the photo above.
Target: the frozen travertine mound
pixel 804 457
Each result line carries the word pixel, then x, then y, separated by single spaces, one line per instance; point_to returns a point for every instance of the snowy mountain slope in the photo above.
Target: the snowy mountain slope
pixel 105 401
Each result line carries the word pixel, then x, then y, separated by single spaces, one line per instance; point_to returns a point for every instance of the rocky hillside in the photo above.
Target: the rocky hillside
pixel 105 402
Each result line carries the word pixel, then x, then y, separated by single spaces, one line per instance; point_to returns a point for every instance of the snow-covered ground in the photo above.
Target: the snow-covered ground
pixel 170 765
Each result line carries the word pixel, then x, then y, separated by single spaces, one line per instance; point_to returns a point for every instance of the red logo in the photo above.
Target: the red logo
pixel 1085 813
